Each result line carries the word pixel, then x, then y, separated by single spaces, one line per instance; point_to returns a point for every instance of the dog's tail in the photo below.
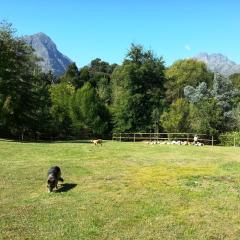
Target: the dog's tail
pixel 61 179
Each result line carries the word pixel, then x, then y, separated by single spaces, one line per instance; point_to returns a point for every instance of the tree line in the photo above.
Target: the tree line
pixel 141 94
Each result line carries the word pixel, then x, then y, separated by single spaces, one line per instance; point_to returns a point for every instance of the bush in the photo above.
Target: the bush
pixel 230 138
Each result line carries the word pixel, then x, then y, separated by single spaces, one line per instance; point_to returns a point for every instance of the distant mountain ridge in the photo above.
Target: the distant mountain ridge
pixel 44 47
pixel 55 61
pixel 219 63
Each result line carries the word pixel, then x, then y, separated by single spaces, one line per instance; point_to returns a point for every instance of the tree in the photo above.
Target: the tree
pixel 71 76
pixel 95 71
pixel 235 78
pixel 224 94
pixel 84 76
pixel 104 90
pixel 183 73
pixel 88 113
pixel 98 73
pixel 97 65
pixel 138 91
pixel 206 117
pixel 18 81
pixel 236 118
pixel 176 118
pixel 42 125
pixel 61 99
pixel 195 95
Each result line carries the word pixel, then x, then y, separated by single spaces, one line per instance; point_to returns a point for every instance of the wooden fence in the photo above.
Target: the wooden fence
pixel 136 137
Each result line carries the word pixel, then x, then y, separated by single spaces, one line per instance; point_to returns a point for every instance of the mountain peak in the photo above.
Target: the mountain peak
pixel 217 62
pixel 41 34
pixel 44 47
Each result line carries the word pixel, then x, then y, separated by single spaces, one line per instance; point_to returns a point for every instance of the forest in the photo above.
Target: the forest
pixel 140 94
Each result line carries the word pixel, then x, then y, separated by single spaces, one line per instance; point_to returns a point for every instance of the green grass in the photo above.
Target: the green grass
pixel 124 191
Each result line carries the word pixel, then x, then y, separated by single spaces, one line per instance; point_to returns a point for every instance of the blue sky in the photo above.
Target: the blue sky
pixel 174 29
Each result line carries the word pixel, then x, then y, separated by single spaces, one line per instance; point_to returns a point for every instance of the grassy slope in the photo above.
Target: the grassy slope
pixel 124 191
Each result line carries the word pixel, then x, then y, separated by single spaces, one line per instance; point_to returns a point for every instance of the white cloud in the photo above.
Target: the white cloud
pixel 188 47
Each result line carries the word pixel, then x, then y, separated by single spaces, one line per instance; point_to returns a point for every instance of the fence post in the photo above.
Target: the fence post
pixel 212 140
pixel 134 137
pixel 120 137
pixel 234 142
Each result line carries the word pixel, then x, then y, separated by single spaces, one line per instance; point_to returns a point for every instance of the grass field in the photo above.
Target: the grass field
pixel 119 191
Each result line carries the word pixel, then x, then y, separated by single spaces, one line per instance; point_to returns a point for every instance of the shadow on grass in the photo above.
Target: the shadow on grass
pixel 66 187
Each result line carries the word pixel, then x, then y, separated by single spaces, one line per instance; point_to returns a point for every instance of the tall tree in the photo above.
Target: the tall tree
pixel 138 91
pixel 223 92
pixel 61 98
pixel 185 72
pixel 43 124
pixel 89 114
pixel 71 75
pixel 18 70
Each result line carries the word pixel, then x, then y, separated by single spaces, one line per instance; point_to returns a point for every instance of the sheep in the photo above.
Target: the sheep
pixel 198 144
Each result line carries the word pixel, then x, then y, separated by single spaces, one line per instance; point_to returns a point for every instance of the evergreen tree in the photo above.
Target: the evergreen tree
pixel 17 83
pixel 71 76
pixel 138 91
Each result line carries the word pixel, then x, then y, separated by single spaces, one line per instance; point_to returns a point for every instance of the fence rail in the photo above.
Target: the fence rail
pixel 134 137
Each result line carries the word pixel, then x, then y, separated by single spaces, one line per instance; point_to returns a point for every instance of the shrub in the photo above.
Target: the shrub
pixel 230 139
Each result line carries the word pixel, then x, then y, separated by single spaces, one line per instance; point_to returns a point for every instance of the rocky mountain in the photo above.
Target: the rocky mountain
pixel 219 63
pixel 53 60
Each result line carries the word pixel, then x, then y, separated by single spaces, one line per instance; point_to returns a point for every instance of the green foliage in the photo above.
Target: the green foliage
pixel 84 76
pixel 138 91
pixel 206 117
pixel 18 83
pixel 61 97
pixel 236 118
pixel 225 95
pixel 235 78
pixel 230 139
pixel 224 92
pixel 99 69
pixel 183 73
pixel 99 66
pixel 88 112
pixel 195 95
pixel 71 76
pixel 104 90
pixel 176 119
pixel 42 117
pixel 140 94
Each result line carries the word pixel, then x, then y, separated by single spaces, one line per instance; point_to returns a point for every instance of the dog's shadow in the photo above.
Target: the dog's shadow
pixel 65 187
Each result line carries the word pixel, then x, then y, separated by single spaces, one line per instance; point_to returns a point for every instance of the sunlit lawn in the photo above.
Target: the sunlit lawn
pixel 119 191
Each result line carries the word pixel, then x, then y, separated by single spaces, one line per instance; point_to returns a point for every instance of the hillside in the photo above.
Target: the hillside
pixel 219 63
pixel 53 60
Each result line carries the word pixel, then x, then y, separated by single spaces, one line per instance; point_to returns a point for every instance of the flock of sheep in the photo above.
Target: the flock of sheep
pixel 173 142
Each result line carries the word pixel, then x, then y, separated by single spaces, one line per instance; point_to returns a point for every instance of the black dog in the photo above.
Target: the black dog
pixel 54 175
